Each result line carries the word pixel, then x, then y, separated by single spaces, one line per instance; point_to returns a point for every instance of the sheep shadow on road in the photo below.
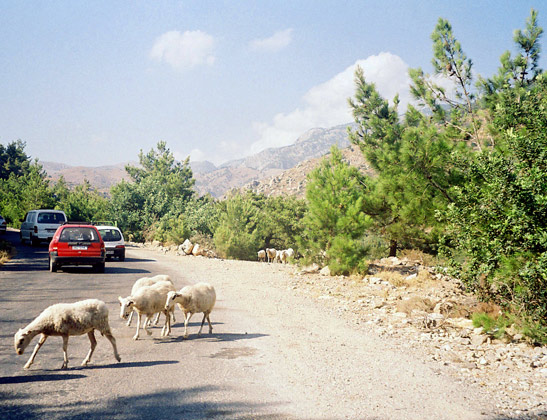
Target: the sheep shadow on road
pixel 123 365
pixel 38 378
pixel 215 337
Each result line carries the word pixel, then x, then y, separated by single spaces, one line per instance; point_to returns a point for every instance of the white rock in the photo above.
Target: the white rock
pixel 187 246
pixel 325 271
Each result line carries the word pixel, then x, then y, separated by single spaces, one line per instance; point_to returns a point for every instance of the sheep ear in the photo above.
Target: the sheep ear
pixel 120 299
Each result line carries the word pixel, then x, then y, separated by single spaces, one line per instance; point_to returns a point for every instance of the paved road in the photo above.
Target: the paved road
pixel 155 379
pixel 272 355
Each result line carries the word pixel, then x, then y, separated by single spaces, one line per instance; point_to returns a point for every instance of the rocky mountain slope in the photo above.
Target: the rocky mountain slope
pixel 264 172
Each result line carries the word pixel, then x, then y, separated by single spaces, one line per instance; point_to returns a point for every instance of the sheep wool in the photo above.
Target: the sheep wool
pixel 66 319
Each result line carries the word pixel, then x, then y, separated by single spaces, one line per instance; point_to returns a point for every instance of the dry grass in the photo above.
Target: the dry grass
pixel 7 251
pixel 421 280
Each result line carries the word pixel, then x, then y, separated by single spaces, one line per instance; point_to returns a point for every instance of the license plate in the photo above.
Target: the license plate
pixel 109 252
pixel 79 248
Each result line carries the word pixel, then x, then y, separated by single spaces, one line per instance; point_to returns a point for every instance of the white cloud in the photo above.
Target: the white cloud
pixel 184 50
pixel 326 105
pixel 276 42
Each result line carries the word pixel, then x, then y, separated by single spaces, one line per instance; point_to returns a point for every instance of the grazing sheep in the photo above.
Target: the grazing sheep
pixel 283 256
pixel 198 298
pixel 290 252
pixel 65 319
pixel 148 281
pixel 261 255
pixel 271 253
pixel 148 300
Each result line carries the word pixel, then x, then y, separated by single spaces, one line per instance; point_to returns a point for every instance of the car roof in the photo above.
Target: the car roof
pixel 76 224
pixel 107 227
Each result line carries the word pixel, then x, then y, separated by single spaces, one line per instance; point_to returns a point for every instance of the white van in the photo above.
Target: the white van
pixel 40 225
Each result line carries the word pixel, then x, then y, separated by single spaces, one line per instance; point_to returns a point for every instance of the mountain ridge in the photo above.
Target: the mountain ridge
pixel 250 171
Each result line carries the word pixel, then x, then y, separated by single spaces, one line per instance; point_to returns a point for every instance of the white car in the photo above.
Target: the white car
pixel 113 241
pixel 40 225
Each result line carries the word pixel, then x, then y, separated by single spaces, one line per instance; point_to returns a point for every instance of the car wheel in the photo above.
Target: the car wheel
pixel 21 238
pixel 52 266
pixel 99 268
pixel 122 257
pixel 34 241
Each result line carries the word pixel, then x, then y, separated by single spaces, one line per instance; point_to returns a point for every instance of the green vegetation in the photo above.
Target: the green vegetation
pixel 461 175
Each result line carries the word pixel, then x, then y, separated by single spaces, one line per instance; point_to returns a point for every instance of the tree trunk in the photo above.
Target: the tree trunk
pixel 392 248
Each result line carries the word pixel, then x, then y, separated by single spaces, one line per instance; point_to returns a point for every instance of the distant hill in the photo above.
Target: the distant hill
pixel 264 168
pixel 100 177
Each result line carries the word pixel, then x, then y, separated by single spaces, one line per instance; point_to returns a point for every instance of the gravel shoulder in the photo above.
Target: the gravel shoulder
pixel 333 347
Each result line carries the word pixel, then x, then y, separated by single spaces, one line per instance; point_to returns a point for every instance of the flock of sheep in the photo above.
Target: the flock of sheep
pixel 273 255
pixel 149 296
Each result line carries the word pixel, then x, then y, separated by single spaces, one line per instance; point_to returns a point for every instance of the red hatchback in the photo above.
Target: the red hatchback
pixel 77 244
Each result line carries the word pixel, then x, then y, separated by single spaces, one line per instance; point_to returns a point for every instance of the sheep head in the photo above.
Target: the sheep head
pixel 21 340
pixel 126 306
pixel 171 298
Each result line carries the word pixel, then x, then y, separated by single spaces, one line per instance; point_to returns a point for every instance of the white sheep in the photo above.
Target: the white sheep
pixel 261 255
pixel 200 297
pixel 290 252
pixel 65 319
pixel 271 253
pixel 282 256
pixel 148 300
pixel 147 281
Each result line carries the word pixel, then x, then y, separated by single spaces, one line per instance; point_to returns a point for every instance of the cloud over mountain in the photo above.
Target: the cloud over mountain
pixel 325 105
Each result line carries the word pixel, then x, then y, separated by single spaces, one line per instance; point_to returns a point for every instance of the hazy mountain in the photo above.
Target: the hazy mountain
pixel 253 170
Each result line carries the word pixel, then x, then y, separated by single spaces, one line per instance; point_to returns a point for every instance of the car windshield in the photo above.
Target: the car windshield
pixel 110 235
pixel 79 234
pixel 51 218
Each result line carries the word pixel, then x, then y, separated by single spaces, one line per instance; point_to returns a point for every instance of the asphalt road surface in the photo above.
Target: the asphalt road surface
pixel 272 355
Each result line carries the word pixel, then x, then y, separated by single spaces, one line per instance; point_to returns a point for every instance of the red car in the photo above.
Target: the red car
pixel 77 244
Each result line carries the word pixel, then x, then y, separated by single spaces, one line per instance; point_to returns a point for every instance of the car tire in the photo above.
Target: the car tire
pixel 122 257
pixel 21 238
pixel 34 241
pixel 99 268
pixel 52 266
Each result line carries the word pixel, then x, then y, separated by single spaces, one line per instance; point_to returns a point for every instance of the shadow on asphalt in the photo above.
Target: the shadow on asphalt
pixel 219 338
pixel 197 403
pixel 123 365
pixel 38 378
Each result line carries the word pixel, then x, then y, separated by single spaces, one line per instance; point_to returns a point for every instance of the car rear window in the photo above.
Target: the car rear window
pixel 51 218
pixel 79 234
pixel 110 235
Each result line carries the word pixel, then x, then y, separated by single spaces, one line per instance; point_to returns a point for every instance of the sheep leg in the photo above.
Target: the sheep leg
pixel 136 336
pixel 130 319
pixel 202 322
pixel 146 324
pixel 186 320
pixel 166 330
pixel 173 320
pixel 157 320
pixel 42 340
pixel 210 325
pixel 93 341
pixel 112 340
pixel 65 353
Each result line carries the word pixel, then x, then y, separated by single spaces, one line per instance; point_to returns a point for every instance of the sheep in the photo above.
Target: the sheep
pixel 290 252
pixel 271 253
pixel 148 300
pixel 200 297
pixel 147 281
pixel 261 255
pixel 65 319
pixel 282 256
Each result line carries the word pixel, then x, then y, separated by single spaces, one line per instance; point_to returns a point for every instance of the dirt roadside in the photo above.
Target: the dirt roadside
pixel 350 350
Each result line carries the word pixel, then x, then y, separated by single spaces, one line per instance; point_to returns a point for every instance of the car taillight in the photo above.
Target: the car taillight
pixel 35 229
pixel 120 246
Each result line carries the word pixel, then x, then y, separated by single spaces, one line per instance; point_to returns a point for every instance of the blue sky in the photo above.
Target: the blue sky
pixel 93 82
